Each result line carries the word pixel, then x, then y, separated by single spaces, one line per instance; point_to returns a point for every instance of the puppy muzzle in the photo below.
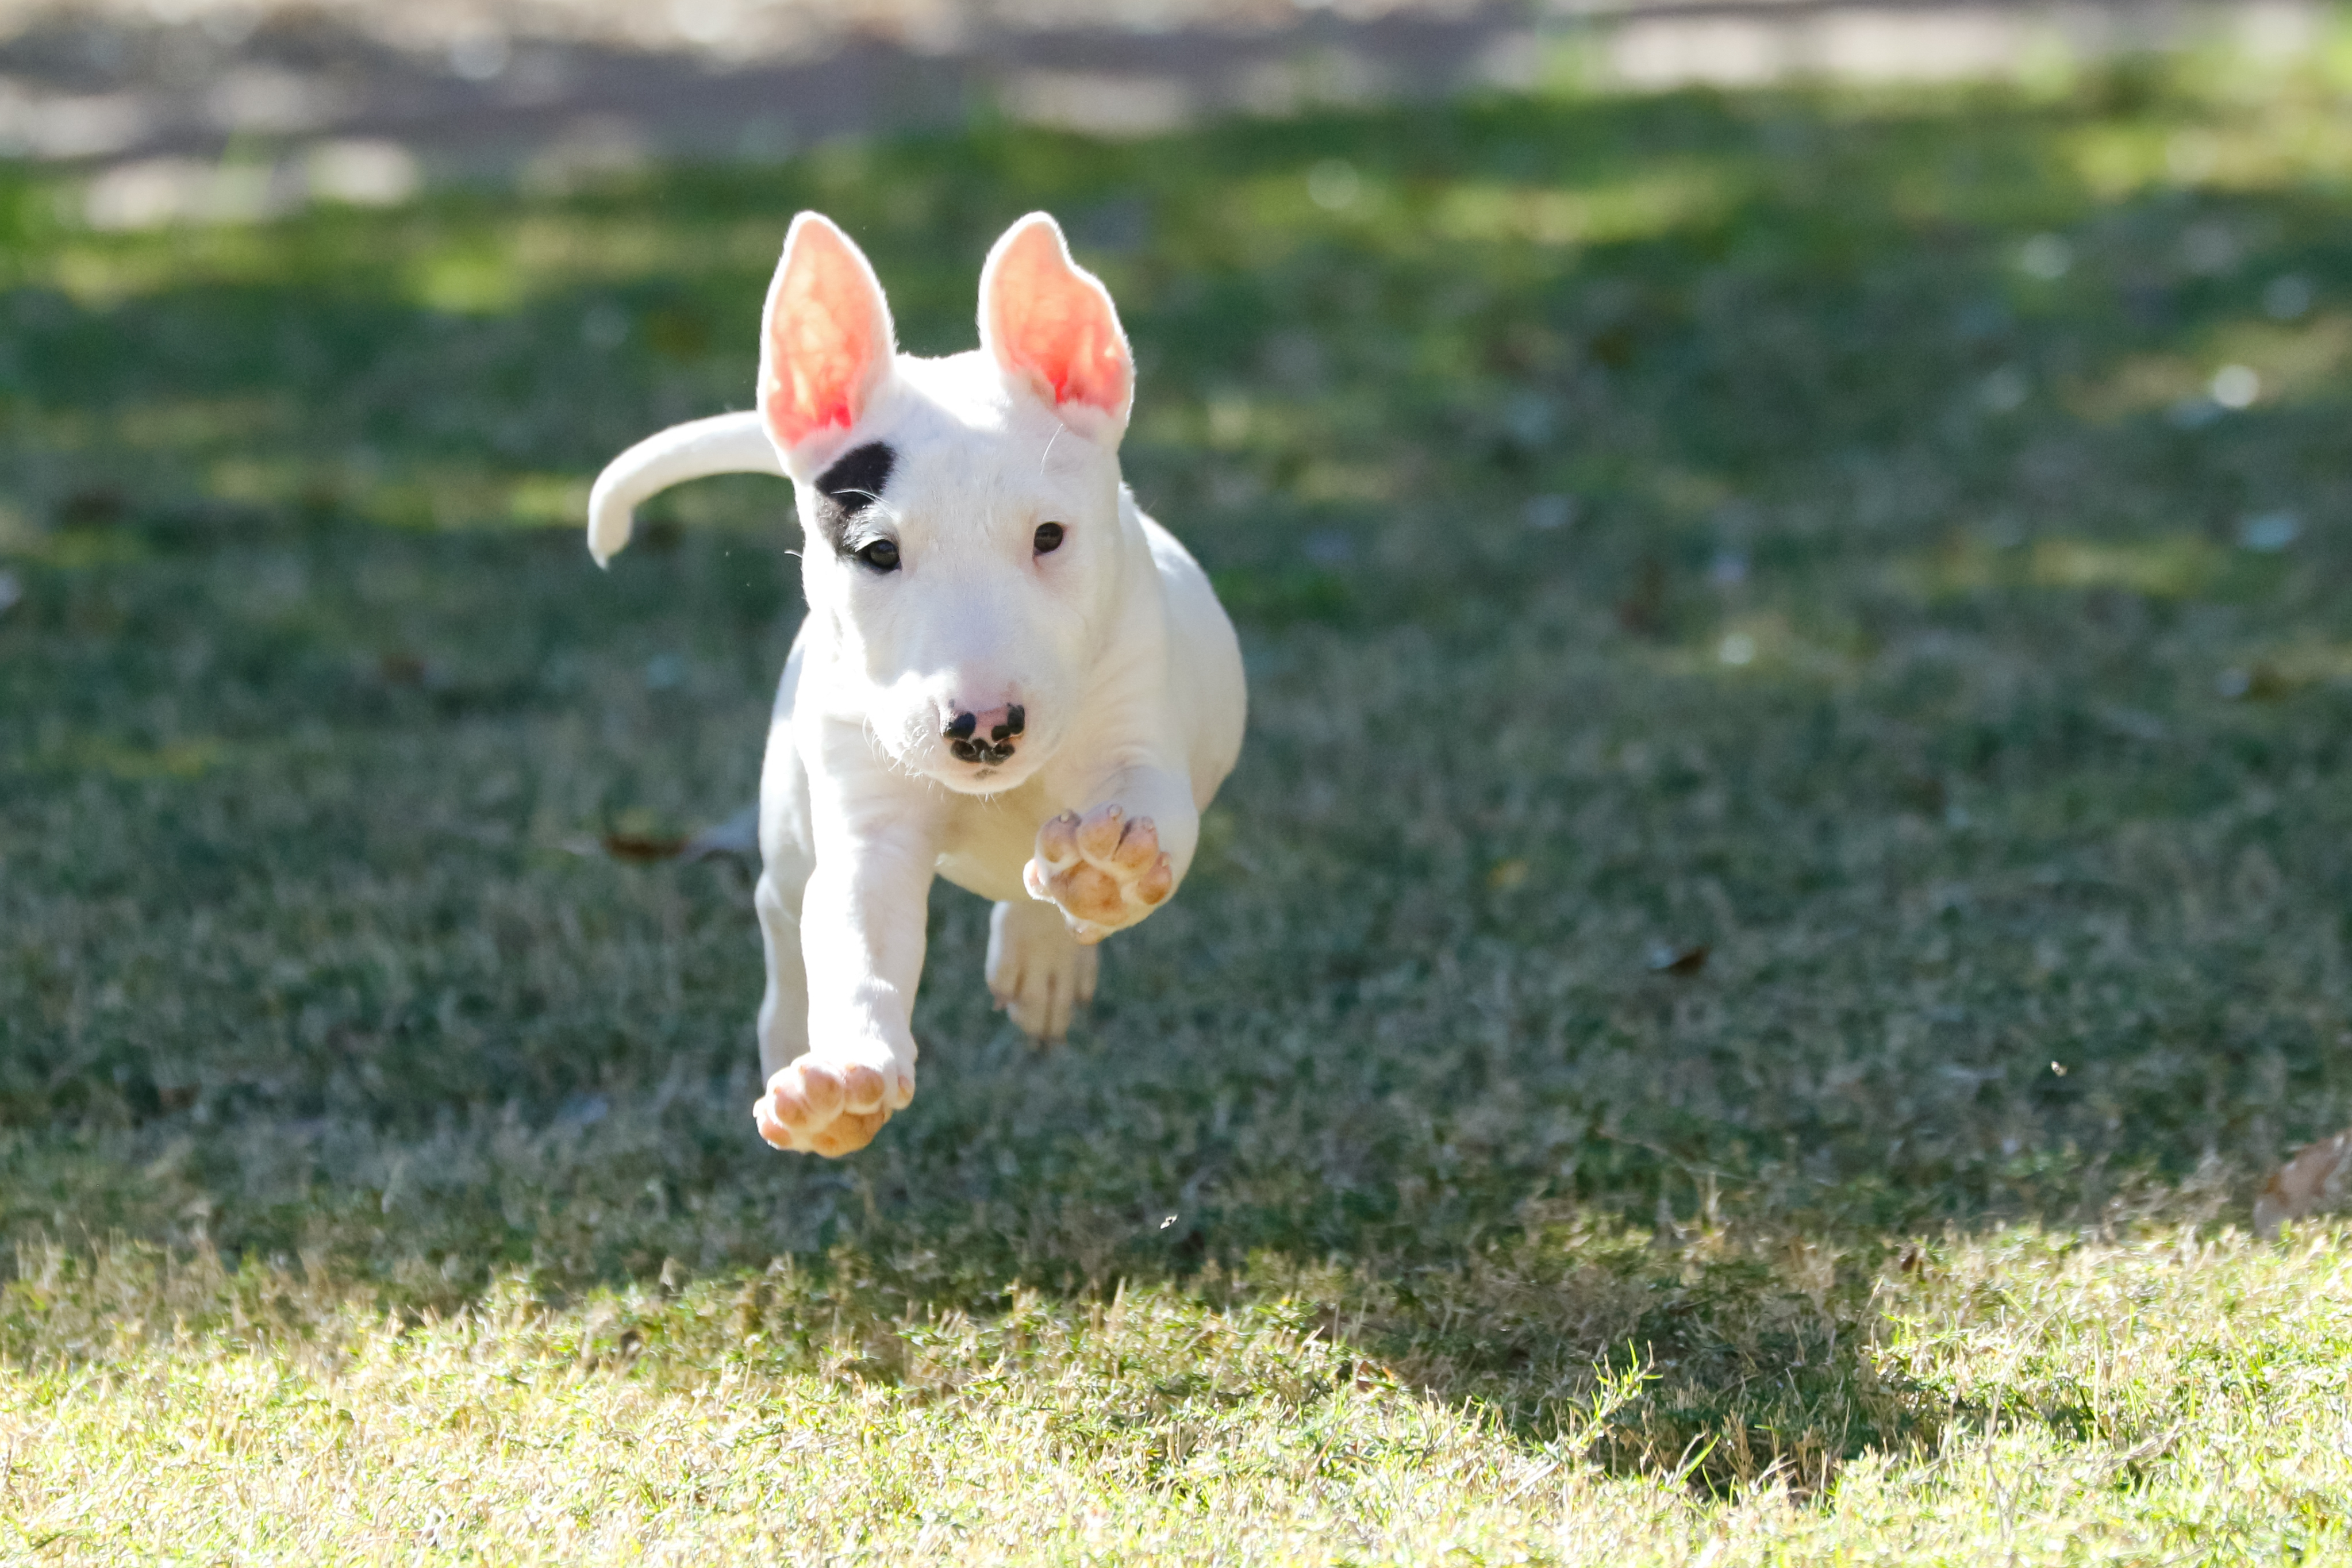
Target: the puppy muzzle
pixel 987 740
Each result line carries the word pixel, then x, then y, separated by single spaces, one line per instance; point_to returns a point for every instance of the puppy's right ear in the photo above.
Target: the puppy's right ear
pixel 825 343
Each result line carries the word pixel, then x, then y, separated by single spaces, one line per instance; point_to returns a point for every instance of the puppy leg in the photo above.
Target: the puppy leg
pixel 783 1009
pixel 787 856
pixel 1037 971
pixel 862 940
pixel 861 931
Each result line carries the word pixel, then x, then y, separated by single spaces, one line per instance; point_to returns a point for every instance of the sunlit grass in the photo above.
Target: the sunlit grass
pixel 2093 1403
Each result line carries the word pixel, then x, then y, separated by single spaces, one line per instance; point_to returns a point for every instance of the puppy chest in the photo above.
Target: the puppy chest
pixel 989 838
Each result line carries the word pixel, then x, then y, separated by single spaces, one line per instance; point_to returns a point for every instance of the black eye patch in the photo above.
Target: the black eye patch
pixel 854 482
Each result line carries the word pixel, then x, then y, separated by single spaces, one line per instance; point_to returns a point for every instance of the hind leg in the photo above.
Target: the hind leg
pixel 1037 971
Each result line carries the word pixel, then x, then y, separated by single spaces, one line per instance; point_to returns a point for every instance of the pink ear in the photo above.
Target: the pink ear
pixel 1052 326
pixel 825 341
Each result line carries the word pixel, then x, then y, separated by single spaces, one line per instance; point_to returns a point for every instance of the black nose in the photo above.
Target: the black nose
pixel 965 745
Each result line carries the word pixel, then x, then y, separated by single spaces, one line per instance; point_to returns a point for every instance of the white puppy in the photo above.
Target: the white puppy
pixel 1008 675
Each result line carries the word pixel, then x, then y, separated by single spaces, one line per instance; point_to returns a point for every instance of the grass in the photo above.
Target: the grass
pixel 1789 869
pixel 2173 1399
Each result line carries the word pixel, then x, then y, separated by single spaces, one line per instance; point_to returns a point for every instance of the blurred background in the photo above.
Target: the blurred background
pixel 1792 557
pixel 358 101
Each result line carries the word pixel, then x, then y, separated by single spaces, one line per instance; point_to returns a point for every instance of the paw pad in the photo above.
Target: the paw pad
pixel 1105 871
pixel 830 1108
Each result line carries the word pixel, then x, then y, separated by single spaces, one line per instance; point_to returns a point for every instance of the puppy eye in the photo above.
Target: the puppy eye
pixel 882 556
pixel 1049 538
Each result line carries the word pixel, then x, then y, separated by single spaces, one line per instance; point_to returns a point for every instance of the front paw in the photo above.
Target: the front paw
pixel 1105 872
pixel 831 1107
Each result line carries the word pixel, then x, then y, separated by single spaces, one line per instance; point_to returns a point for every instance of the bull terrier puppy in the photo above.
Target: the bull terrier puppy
pixel 1008 676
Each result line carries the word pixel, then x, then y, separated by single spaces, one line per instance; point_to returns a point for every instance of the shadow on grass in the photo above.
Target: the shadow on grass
pixel 1718 1372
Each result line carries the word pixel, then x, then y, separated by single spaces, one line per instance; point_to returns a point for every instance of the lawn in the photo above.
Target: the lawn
pixel 1789 874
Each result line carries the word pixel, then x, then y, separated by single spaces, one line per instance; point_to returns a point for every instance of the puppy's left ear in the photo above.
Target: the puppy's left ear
pixel 1051 327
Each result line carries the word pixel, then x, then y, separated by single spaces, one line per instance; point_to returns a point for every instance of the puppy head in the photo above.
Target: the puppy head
pixel 962 515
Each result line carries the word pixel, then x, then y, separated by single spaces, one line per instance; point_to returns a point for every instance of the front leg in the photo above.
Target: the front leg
pixel 1107 867
pixel 862 936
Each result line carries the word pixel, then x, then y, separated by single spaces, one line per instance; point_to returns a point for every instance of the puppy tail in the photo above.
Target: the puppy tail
pixel 726 444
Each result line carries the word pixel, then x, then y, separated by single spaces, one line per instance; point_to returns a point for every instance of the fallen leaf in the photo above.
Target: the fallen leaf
pixel 2318 1177
pixel 643 846
pixel 1683 960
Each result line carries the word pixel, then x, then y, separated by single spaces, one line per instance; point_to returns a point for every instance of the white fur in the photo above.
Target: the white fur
pixel 728 444
pixel 1113 645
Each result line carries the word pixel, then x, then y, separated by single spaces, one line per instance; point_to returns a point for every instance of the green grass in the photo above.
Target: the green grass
pixel 1902 648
